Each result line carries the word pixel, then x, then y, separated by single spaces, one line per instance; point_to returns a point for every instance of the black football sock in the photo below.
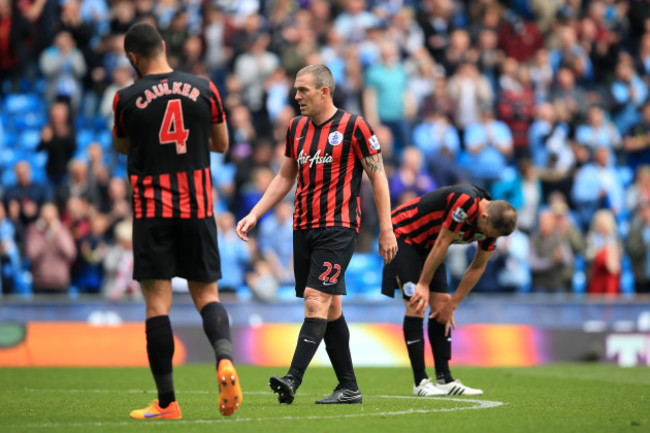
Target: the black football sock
pixel 414 338
pixel 160 350
pixel 309 338
pixel 337 345
pixel 441 347
pixel 217 328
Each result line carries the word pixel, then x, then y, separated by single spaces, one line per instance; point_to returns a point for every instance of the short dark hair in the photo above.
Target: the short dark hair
pixel 322 76
pixel 143 39
pixel 502 216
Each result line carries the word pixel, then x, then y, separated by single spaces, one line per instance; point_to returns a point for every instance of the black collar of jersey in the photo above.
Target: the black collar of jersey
pixel 338 113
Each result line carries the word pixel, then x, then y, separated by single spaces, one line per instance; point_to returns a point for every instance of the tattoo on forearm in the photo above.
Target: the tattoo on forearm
pixel 374 163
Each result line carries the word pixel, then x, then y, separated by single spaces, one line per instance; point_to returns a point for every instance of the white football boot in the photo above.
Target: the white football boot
pixel 427 389
pixel 457 388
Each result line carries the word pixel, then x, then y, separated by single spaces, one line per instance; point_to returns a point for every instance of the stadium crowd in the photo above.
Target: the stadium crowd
pixel 544 104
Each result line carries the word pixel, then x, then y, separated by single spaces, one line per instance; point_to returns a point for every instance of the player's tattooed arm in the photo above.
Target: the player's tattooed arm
pixel 373 163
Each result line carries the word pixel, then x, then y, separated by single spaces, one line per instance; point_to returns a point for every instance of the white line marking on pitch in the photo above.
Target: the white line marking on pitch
pixel 476 404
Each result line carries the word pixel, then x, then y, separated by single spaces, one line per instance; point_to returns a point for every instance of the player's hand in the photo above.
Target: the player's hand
pixel 244 225
pixel 387 245
pixel 420 300
pixel 445 314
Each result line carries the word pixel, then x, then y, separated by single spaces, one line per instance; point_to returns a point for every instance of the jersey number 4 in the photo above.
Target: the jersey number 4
pixel 173 129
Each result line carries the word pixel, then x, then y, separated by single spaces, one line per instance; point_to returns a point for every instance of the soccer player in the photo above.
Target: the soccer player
pixel 327 149
pixel 167 123
pixel 425 227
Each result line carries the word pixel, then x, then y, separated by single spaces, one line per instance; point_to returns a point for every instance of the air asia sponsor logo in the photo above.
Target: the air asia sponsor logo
pixel 316 159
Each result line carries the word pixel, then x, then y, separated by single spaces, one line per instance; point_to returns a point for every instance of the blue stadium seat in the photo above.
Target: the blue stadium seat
pixel 626 175
pixel 29 120
pixel 22 103
pixel 105 138
pixel 84 138
pixel 29 140
pixel 627 276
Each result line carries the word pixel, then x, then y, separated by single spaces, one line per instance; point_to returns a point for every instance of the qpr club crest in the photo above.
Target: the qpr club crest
pixel 459 215
pixel 335 138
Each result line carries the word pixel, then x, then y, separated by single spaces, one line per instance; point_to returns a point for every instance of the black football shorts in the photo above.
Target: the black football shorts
pixel 407 266
pixel 320 258
pixel 171 247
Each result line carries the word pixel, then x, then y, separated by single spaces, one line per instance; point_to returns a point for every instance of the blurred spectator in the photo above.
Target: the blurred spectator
pixel 597 186
pixel 523 190
pixel 458 51
pixel 566 93
pixel 469 91
pixel 235 255
pixel 541 74
pixel 435 135
pixel 519 38
pixel 551 151
pixel 422 75
pixel 24 199
pixel 122 77
pixel 516 106
pixel 638 247
pixel 252 68
pixel 636 144
pixel 551 256
pixel 15 51
pixel 411 179
pixel 299 43
pixel 489 56
pixel 252 191
pixel 604 254
pixel 275 241
pixel 122 16
pixel 639 191
pixel 118 265
pixel 571 55
pixel 58 139
pixel 51 251
pixel 217 32
pixel 176 33
pixel 64 67
pixel 353 22
pixel 119 205
pixel 488 146
pixel 514 273
pixel 78 184
pixel 436 19
pixel 386 98
pixel 629 93
pixel 405 31
pixel 598 132
pixel 88 270
pixel 9 254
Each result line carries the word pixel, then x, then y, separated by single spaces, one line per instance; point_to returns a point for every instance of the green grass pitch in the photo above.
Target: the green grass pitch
pixel 556 398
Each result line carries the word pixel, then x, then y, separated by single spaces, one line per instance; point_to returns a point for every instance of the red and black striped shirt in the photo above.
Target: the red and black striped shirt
pixel 168 118
pixel 329 169
pixel 419 221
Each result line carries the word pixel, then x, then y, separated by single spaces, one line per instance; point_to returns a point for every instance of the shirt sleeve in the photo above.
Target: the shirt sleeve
pixel 364 140
pixel 488 244
pixel 289 149
pixel 217 114
pixel 461 209
pixel 118 122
